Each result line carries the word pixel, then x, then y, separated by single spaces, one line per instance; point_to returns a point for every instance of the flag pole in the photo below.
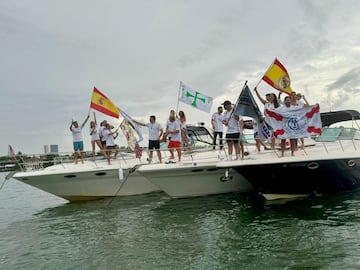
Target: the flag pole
pixel 13 155
pixel 237 101
pixel 92 96
pixel 265 73
pixel 177 105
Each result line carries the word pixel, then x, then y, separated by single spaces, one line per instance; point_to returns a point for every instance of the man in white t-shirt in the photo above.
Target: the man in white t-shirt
pixel 173 131
pixel 234 125
pixel 155 133
pixel 217 126
pixel 78 142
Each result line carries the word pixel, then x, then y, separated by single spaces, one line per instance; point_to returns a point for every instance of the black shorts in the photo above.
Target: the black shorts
pixel 232 137
pixel 154 145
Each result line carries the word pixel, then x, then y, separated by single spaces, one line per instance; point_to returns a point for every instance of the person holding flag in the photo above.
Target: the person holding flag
pixel 234 124
pixel 110 137
pixel 155 133
pixel 270 102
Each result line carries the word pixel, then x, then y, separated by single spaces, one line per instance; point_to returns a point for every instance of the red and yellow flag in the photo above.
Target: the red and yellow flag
pixel 278 77
pixel 102 104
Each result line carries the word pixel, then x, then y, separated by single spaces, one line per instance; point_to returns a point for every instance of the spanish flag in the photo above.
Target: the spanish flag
pixel 102 104
pixel 278 77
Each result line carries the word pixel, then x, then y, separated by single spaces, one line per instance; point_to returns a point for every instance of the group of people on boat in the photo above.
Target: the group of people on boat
pixel 235 124
pixel 105 135
pixel 176 135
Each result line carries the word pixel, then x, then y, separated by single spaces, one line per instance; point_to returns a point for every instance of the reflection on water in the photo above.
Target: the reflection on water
pixel 155 232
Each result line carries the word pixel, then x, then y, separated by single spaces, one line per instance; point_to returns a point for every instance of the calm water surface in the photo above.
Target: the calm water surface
pixel 40 231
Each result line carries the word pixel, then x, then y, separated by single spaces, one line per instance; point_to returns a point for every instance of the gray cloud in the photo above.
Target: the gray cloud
pixel 350 82
pixel 54 53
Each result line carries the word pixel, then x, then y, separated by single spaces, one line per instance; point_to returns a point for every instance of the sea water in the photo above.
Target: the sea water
pixel 231 231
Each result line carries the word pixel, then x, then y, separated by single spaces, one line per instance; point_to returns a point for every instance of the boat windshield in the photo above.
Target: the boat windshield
pixel 330 134
pixel 200 136
pixel 349 134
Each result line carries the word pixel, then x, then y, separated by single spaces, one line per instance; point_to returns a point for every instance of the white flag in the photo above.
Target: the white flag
pixel 295 122
pixel 194 98
pixel 132 124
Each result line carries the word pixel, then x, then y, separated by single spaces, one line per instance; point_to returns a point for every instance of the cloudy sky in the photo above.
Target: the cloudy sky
pixel 136 52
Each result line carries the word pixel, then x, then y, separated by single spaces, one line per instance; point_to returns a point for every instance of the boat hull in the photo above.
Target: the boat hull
pixel 87 184
pixel 304 177
pixel 188 180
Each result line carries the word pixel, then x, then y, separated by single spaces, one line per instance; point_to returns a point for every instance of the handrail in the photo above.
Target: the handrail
pixel 39 162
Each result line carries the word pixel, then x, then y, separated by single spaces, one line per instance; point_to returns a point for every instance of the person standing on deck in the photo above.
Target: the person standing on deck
pixel 95 137
pixel 217 126
pixel 173 131
pixel 78 142
pixel 234 125
pixel 155 133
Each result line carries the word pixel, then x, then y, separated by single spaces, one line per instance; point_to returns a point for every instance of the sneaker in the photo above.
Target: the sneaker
pixel 170 162
pixel 148 160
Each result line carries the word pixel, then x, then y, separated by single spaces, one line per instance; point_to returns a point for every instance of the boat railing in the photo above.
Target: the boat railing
pixel 333 139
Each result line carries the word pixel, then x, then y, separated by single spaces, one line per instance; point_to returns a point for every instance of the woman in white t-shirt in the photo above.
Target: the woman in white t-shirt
pixel 184 138
pixel 270 102
pixel 95 137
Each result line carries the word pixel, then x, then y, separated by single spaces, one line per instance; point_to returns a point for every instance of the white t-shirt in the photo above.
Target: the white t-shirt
pixel 218 124
pixel 101 133
pixel 233 124
pixel 77 136
pixel 109 138
pixel 172 126
pixel 95 135
pixel 154 131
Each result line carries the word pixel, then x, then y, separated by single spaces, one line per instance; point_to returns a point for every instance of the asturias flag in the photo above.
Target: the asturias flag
pixel 194 98
pixel 102 104
pixel 278 77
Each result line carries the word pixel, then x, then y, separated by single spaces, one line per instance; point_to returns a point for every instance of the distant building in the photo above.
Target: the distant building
pixel 51 149
pixel 54 148
pixel 46 149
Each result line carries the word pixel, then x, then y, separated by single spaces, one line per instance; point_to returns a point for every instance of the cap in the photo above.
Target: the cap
pixel 226 102
pixel 268 94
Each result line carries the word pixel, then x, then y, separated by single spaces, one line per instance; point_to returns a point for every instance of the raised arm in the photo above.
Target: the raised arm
pixel 87 118
pixel 95 118
pixel 71 125
pixel 263 101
